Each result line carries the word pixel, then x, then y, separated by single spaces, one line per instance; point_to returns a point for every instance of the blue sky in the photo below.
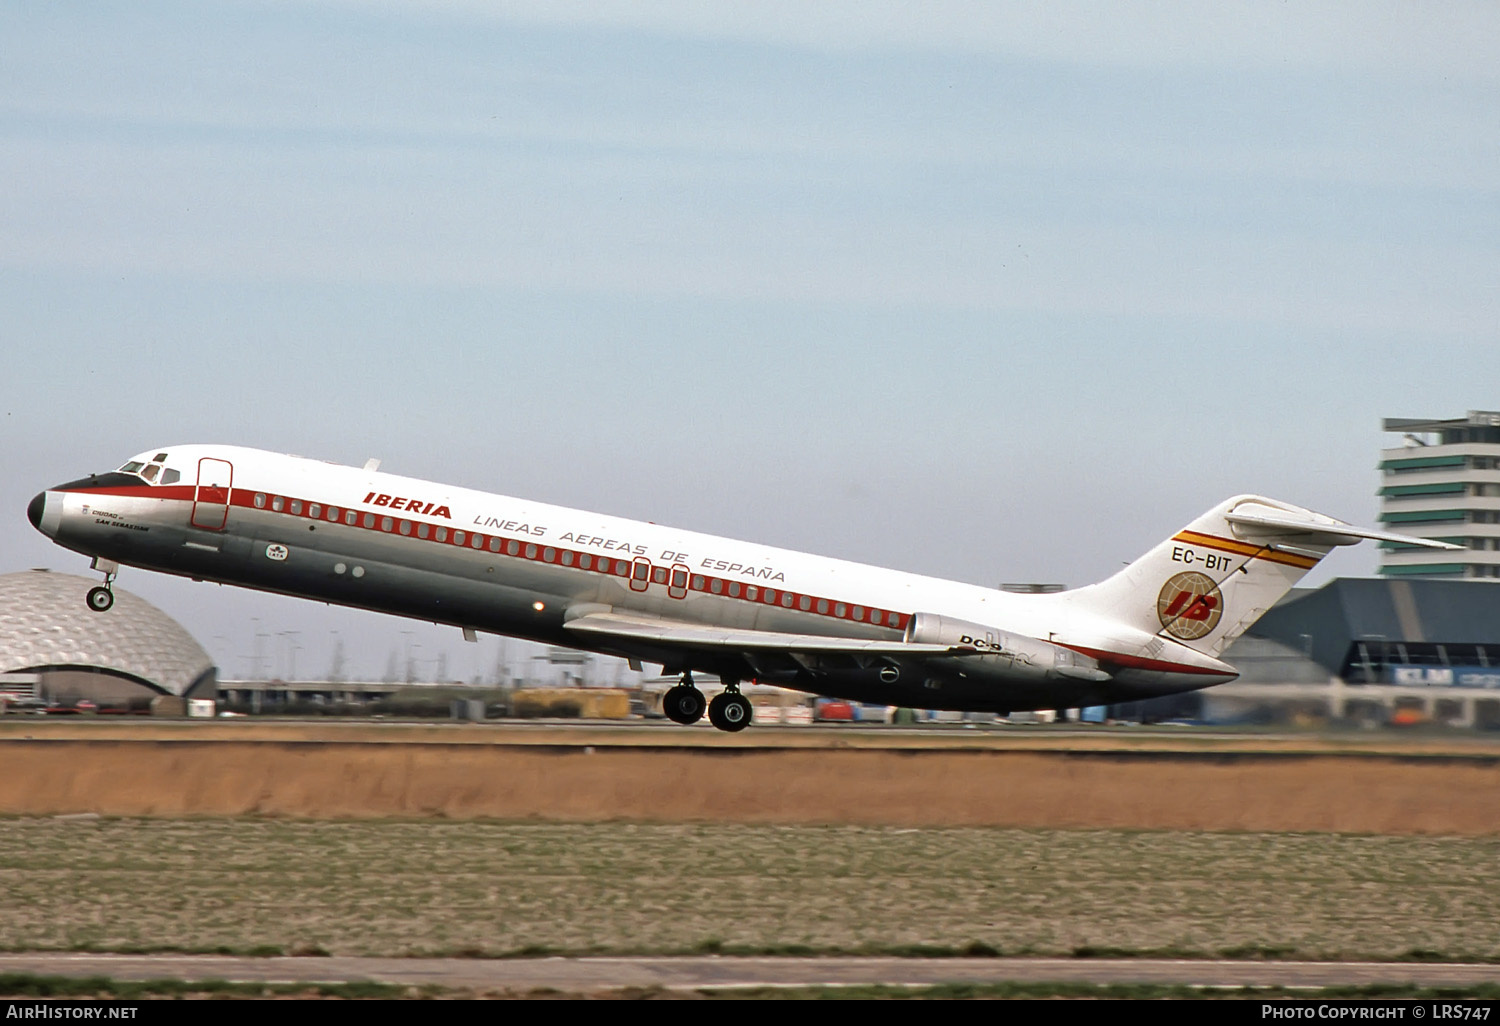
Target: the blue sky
pixel 986 291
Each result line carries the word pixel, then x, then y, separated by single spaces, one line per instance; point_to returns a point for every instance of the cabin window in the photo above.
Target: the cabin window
pixel 260 500
pixel 858 612
pixel 512 547
pixel 277 502
pixel 823 606
pixel 441 534
pixel 369 519
pixel 699 583
pixel 567 558
pixel 494 545
pixel 549 554
pixel 804 603
pixel 716 586
pixel 315 511
pixel 476 542
pixel 786 599
pixel 404 527
pixel 332 514
pixel 386 523
pixel 659 575
pixel 768 596
pixel 351 517
pixel 531 552
pixel 586 561
pixel 734 591
pixel 839 610
pixel 458 537
pixel 423 530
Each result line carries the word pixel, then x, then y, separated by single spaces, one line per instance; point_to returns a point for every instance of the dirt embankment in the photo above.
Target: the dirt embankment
pixel 1360 793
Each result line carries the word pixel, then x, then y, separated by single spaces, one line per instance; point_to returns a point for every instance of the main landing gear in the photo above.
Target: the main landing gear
pixel 728 711
pixel 684 703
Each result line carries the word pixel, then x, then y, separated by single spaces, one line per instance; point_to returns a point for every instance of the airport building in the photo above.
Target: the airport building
pixel 1371 650
pixel 55 650
pixel 1443 482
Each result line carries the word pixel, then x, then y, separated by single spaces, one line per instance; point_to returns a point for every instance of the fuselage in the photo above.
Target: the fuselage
pixel 358 537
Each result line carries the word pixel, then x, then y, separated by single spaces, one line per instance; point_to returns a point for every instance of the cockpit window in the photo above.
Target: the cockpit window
pixel 151 471
pixel 133 467
pixel 159 457
pixel 170 476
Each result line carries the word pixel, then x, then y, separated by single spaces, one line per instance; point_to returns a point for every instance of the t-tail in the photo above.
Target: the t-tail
pixel 1205 585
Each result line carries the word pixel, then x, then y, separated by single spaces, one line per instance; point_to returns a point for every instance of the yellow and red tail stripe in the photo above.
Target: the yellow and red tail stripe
pixel 1213 541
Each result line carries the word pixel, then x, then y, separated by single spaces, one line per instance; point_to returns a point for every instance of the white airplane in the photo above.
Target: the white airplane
pixel 692 602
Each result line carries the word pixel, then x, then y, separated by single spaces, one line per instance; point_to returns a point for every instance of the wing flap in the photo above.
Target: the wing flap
pixel 729 639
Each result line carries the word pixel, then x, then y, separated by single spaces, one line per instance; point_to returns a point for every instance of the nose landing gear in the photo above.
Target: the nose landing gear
pixel 100 599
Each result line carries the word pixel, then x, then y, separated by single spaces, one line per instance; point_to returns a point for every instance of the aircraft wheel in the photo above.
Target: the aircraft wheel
pixel 729 712
pixel 683 704
pixel 100 599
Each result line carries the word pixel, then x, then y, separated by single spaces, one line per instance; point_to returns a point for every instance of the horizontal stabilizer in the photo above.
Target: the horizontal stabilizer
pixel 1324 532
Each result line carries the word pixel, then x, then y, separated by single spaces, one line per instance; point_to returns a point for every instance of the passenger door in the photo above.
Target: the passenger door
pixel 211 496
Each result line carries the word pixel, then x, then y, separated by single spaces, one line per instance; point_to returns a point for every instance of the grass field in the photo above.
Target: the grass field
pixel 484 888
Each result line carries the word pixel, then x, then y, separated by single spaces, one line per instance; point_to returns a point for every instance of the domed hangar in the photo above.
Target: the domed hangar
pixel 50 640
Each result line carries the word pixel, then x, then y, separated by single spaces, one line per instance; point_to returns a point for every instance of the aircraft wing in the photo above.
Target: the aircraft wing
pixel 637 630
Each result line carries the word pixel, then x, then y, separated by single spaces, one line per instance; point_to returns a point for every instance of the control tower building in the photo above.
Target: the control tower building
pixel 1443 482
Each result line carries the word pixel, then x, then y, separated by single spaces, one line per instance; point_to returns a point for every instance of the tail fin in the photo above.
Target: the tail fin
pixel 1205 585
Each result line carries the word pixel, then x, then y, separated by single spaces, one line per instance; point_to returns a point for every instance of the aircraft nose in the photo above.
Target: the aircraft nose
pixel 35 509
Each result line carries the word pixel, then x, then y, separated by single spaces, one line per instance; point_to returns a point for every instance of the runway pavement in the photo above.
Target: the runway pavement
pixel 586 975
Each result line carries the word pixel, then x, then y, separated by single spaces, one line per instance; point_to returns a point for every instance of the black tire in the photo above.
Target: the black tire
pixel 683 704
pixel 100 599
pixel 730 712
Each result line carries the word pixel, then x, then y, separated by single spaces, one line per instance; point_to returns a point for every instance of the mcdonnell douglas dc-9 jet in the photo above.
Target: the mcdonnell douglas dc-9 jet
pixel 692 602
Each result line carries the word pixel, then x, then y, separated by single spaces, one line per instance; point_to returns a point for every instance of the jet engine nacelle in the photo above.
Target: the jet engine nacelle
pixel 1012 654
